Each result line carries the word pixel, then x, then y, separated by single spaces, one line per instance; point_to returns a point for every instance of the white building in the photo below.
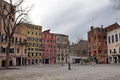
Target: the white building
pixel 113 42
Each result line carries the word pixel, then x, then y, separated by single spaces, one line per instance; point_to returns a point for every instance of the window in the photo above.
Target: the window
pixel 32 39
pixel 12 50
pixel 36 54
pixel 4 7
pixel 105 36
pixel 112 38
pixel 16 39
pixel 40 29
pixel 18 50
pixel 94 45
pixel 12 19
pixel 28 32
pixel 32 49
pixel 4 38
pixel 105 51
pixel 32 44
pixel 39 54
pixel 119 49
pixel 28 44
pixel 36 28
pixel 105 30
pixel 116 37
pixel 109 39
pixel 119 36
pixel 3 50
pixel 105 43
pixel 36 33
pixel 32 54
pixel 99 37
pixel 25 51
pixel 12 40
pixel 110 51
pixel 99 44
pixel 28 54
pixel 20 40
pixel 115 51
pixel 32 33
pixel 28 49
pixel 32 27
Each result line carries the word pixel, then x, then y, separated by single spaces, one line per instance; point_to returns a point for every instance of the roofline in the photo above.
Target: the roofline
pixel 30 24
pixel 60 34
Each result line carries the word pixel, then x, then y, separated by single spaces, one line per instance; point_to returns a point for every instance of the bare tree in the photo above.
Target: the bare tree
pixel 12 16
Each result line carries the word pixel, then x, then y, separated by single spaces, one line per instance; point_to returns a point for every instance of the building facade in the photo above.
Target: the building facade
pixel 62 48
pixel 18 55
pixel 79 51
pixel 97 44
pixel 113 43
pixel 49 47
pixel 34 41
pixel 20 46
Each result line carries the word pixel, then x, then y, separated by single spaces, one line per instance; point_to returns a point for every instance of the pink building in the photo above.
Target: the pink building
pixel 48 47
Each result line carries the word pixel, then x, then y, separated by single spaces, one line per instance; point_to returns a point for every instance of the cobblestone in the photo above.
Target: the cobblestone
pixel 58 72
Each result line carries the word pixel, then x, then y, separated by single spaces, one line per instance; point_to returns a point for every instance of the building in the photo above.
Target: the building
pixel 97 44
pixel 113 43
pixel 79 51
pixel 15 51
pixel 49 47
pixel 20 46
pixel 34 41
pixel 62 48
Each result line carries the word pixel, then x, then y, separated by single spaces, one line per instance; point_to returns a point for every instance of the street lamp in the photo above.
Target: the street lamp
pixel 62 58
pixel 69 66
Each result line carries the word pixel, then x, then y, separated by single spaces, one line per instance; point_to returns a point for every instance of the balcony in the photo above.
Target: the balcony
pixel 114 53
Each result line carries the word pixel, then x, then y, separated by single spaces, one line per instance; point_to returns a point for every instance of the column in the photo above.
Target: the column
pixel 21 60
pixel 14 61
pixel 117 60
pixel 112 61
pixel 0 62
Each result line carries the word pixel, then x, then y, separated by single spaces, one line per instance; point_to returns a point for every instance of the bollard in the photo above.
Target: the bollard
pixel 69 67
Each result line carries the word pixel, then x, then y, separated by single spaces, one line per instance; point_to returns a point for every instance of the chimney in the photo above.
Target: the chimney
pixel 91 28
pixel 101 26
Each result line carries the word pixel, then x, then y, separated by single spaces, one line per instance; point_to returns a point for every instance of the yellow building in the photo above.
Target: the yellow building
pixel 20 39
pixel 34 40
pixel 18 51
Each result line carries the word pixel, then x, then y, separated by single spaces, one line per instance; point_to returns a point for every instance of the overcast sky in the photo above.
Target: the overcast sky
pixel 72 17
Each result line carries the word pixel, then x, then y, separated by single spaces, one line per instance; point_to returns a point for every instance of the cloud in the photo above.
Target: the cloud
pixel 72 17
pixel 76 19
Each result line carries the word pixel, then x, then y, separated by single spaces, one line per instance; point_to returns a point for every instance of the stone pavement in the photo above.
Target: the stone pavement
pixel 58 72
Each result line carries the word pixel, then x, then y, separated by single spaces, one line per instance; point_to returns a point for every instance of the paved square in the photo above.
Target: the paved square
pixel 58 72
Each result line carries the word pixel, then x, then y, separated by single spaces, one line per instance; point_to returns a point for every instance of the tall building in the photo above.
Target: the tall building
pixel 62 48
pixel 97 44
pixel 113 42
pixel 18 53
pixel 34 40
pixel 49 47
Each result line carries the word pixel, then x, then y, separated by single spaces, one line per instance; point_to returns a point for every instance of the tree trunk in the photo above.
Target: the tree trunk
pixel 7 54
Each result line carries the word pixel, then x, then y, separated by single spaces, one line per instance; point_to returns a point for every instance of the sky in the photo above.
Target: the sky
pixel 72 17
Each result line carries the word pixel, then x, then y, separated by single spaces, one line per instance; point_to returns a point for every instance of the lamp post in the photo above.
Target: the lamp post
pixel 69 65
pixel 62 58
